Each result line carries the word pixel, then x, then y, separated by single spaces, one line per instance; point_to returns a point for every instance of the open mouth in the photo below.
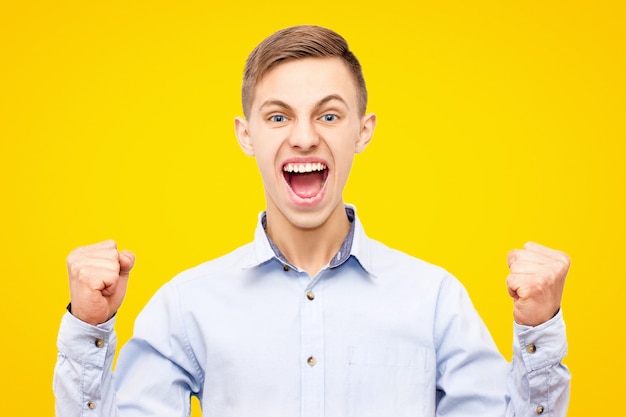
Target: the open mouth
pixel 306 180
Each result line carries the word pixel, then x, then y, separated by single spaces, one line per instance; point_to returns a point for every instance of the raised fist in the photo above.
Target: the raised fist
pixel 536 281
pixel 98 276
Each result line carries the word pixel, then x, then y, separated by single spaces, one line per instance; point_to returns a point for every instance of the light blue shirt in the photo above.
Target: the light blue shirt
pixel 376 333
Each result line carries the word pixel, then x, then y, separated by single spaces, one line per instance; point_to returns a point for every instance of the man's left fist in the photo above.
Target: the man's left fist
pixel 536 282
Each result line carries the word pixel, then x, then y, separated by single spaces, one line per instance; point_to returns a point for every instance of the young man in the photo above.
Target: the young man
pixel 312 318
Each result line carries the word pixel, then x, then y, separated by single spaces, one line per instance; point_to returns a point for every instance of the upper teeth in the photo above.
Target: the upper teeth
pixel 304 167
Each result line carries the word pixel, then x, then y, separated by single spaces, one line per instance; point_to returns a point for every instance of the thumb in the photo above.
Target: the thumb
pixel 127 261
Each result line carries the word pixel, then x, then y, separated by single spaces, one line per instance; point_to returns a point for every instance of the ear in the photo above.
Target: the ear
pixel 368 123
pixel 243 136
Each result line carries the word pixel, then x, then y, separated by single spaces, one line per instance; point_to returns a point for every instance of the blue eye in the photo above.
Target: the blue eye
pixel 329 117
pixel 278 118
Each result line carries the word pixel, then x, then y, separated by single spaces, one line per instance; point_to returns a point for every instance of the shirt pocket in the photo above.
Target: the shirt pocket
pixel 387 381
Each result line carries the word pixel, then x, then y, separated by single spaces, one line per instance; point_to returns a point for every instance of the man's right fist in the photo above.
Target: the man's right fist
pixel 98 277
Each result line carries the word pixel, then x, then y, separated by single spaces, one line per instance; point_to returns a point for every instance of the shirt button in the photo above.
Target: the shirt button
pixel 540 410
pixel 286 267
pixel 311 361
pixel 310 295
pixel 99 343
pixel 531 348
pixel 91 405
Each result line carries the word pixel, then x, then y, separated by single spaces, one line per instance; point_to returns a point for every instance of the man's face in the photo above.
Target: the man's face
pixel 304 129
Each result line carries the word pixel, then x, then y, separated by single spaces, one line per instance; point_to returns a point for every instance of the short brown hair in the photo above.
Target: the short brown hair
pixel 298 42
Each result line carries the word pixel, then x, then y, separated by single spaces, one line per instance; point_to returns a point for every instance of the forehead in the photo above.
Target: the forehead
pixel 305 81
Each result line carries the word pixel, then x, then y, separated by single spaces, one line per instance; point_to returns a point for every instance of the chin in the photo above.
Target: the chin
pixel 308 220
pixel 312 217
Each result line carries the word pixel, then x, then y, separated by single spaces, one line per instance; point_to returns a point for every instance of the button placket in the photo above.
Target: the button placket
pixel 312 332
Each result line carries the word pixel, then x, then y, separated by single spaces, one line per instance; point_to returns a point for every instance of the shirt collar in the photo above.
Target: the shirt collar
pixel 355 244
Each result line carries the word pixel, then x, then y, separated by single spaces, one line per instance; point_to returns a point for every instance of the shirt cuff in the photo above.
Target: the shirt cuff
pixel 542 345
pixel 85 343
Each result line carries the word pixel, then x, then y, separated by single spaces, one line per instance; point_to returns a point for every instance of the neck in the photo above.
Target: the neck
pixel 309 249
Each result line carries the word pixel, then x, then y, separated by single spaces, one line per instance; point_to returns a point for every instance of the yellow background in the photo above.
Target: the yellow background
pixel 499 122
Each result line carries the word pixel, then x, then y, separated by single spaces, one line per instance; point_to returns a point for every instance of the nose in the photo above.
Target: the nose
pixel 304 136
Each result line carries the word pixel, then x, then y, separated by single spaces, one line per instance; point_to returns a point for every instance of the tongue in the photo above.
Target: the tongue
pixel 306 185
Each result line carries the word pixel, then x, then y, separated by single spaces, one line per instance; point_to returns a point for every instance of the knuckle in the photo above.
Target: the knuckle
pixel 514 252
pixel 540 285
pixel 110 243
pixel 558 270
pixel 74 254
pixel 509 280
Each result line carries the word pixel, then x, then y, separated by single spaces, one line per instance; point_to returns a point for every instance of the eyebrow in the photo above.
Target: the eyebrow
pixel 275 102
pixel 320 103
pixel 329 98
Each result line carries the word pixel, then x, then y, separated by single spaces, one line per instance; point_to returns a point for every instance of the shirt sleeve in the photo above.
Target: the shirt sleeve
pixel 83 383
pixel 157 371
pixel 538 381
pixel 474 379
pixel 155 374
